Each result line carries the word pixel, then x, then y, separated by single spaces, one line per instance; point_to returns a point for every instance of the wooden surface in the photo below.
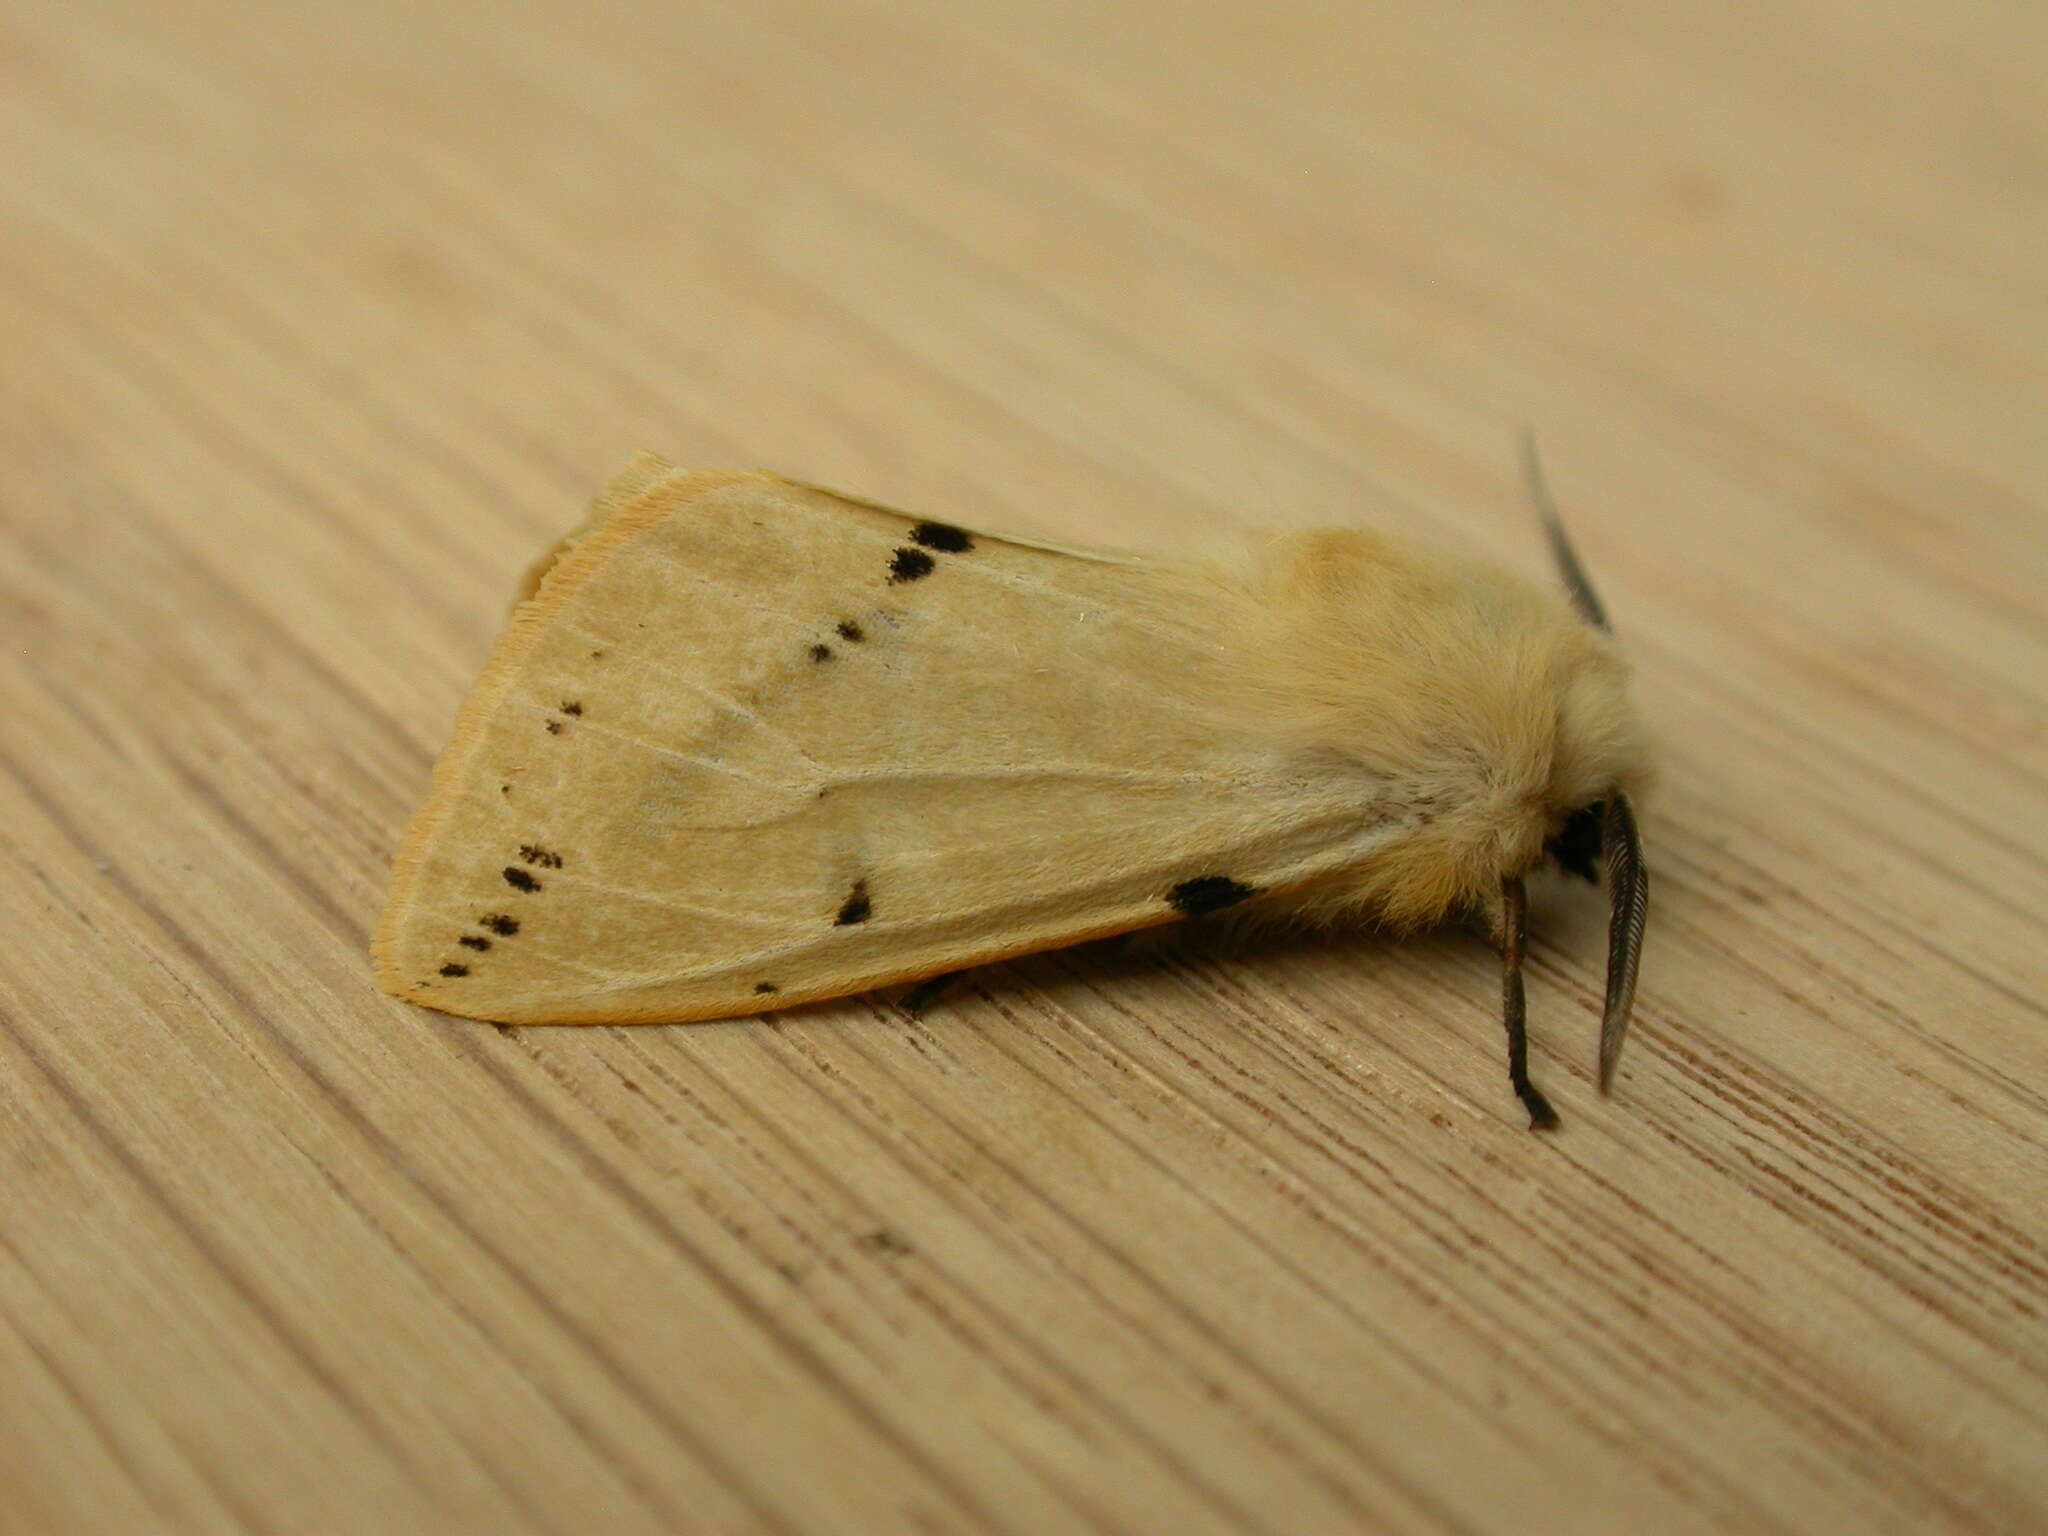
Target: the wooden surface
pixel 316 323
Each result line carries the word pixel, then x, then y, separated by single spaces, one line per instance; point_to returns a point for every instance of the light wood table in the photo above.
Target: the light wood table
pixel 318 322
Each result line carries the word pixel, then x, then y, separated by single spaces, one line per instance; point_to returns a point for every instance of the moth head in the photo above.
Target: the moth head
pixel 1488 718
pixel 1472 703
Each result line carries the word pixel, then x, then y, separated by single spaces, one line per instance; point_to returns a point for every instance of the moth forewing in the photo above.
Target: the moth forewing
pixel 751 744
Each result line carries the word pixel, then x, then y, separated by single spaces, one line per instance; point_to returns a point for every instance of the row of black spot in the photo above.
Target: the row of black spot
pixel 498 923
pixel 908 562
pixel 504 926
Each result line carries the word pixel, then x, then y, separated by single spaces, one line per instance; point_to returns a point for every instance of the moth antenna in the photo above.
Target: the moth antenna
pixel 1628 896
pixel 1628 881
pixel 1576 582
pixel 1514 1005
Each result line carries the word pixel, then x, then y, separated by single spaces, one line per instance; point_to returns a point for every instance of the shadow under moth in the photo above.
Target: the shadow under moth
pixel 746 744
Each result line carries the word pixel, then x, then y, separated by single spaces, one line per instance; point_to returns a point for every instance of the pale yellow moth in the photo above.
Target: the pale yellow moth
pixel 746 743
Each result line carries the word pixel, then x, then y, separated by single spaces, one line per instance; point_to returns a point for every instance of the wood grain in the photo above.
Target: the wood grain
pixel 321 321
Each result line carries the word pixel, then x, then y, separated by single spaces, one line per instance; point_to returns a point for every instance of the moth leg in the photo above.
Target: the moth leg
pixel 927 992
pixel 1515 1007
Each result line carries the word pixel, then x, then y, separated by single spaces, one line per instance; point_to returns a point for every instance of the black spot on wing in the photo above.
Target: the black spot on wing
pixel 942 536
pixel 571 707
pixel 848 630
pixel 766 987
pixel 554 727
pixel 533 853
pixel 519 879
pixel 821 653
pixel 909 565
pixel 471 941
pixel 504 927
pixel 1207 893
pixel 452 969
pixel 857 908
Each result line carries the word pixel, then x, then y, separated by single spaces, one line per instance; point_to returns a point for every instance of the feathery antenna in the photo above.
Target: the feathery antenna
pixel 1628 910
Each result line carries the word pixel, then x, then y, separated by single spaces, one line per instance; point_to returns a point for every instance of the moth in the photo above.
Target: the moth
pixel 746 743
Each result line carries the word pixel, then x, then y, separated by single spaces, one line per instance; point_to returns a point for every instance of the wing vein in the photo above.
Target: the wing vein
pixel 711 696
pixel 696 909
pixel 795 627
pixel 793 787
